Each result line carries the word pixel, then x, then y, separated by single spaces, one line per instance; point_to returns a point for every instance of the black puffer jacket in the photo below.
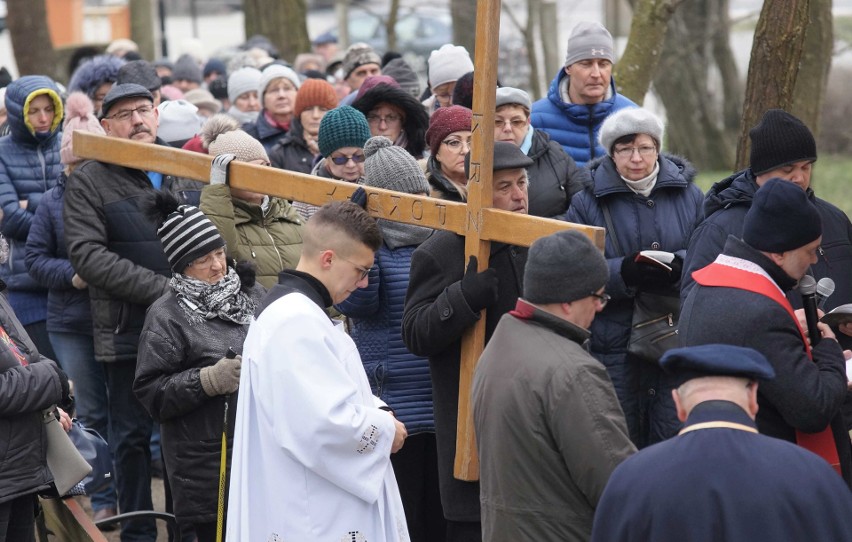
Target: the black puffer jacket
pixel 172 351
pixel 416 118
pixel 292 152
pixel 554 177
pixel 24 392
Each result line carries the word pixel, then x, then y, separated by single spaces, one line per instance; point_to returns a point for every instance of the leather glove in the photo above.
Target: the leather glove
pixel 222 378
pixel 219 168
pixel 359 197
pixel 677 269
pixel 480 290
pixel 643 275
pixel 66 403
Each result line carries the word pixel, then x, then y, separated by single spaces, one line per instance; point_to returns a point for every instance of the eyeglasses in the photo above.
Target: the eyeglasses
pixel 516 124
pixel 124 115
pixel 627 152
pixel 206 261
pixel 387 119
pixel 341 160
pixel 603 298
pixel 363 270
pixel 457 145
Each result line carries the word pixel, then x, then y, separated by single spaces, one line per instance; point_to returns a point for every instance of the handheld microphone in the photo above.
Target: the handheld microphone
pixel 808 288
pixel 824 289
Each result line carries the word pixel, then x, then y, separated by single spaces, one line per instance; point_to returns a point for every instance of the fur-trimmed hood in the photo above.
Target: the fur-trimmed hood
pixel 93 73
pixel 416 118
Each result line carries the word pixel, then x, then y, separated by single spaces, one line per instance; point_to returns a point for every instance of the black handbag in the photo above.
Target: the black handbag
pixel 654 325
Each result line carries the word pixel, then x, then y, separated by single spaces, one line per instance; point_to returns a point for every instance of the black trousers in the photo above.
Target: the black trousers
pixel 17 519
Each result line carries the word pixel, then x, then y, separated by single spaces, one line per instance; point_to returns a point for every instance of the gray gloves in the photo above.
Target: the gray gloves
pixel 219 168
pixel 222 378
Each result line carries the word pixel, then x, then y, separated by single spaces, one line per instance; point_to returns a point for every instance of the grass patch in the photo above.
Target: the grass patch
pixel 830 180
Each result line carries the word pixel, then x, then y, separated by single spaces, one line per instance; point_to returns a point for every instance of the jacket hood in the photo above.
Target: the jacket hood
pixel 581 113
pixel 675 171
pixel 416 117
pixel 94 73
pixel 20 94
pixel 738 189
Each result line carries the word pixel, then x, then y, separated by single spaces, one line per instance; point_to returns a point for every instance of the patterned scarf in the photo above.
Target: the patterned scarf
pixel 204 301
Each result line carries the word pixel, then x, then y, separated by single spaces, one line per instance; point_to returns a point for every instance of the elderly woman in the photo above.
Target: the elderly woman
pixel 554 177
pixel 652 204
pixel 277 94
pixel 242 94
pixel 189 363
pixel 449 139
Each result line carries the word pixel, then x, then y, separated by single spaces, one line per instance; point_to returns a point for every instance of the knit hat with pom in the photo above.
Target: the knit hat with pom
pixel 315 92
pixel 444 121
pixel 79 115
pixel 341 127
pixel 236 142
pixel 391 167
pixel 216 125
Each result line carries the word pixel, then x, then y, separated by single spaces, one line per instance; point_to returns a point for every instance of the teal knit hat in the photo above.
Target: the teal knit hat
pixel 341 127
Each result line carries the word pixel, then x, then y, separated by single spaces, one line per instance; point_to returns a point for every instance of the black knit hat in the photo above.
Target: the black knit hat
pixel 187 234
pixel 780 139
pixel 781 218
pixel 563 267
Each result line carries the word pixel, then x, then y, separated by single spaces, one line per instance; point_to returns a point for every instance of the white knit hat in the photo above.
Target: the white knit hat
pixel 179 121
pixel 241 81
pixel 276 71
pixel 448 64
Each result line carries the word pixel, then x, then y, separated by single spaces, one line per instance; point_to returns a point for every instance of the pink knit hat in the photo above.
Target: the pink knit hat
pixel 79 115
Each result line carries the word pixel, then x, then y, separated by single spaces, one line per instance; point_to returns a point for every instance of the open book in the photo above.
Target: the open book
pixel 838 315
pixel 656 258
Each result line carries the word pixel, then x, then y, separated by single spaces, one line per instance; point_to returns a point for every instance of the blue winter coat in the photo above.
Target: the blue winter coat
pixel 575 126
pixel 68 309
pixel 397 376
pixel 267 134
pixel 29 166
pixel 662 221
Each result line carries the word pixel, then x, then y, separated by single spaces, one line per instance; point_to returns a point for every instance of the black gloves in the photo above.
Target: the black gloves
pixel 359 197
pixel 66 403
pixel 647 276
pixel 479 289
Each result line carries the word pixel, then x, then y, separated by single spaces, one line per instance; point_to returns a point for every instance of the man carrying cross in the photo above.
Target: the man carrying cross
pixel 444 300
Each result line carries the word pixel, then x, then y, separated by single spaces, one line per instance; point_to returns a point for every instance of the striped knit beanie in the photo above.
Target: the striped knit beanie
pixel 341 127
pixel 187 234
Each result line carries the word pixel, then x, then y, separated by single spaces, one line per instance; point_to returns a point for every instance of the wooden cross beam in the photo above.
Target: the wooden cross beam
pixel 476 221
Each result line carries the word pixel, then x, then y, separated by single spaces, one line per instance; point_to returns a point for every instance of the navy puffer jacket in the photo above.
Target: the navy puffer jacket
pixel 397 376
pixel 29 166
pixel 663 221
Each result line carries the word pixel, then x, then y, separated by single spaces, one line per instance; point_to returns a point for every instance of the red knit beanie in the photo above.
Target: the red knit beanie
pixel 315 92
pixel 444 121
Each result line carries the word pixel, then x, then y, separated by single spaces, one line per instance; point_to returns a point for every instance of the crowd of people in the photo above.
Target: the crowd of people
pixel 310 354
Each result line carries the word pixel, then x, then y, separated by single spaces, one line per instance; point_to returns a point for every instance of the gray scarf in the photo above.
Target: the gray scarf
pixel 399 234
pixel 201 300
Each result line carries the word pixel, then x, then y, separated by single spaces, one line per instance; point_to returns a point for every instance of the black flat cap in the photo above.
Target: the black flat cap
pixel 122 92
pixel 506 156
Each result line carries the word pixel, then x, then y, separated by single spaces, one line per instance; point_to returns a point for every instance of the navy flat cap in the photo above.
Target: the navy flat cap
pixel 716 360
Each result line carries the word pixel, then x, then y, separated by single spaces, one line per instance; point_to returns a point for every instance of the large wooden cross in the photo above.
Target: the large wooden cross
pixel 476 220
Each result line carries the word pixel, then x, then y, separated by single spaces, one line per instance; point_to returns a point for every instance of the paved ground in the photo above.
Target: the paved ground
pixel 159 504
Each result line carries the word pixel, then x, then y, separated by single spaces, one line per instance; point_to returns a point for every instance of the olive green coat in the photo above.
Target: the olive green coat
pixel 272 241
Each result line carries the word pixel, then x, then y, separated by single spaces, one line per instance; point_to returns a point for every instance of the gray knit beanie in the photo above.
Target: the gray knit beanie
pixel 276 71
pixel 187 69
pixel 242 81
pixel 563 267
pixel 633 120
pixel 391 167
pixel 343 126
pixel 589 40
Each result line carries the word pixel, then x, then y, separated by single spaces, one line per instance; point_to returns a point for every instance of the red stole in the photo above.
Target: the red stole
pixel 725 276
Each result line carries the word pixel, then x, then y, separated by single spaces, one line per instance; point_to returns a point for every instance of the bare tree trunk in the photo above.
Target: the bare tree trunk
pixel 812 82
pixel 732 91
pixel 341 12
pixel 776 54
pixel 463 13
pixel 694 129
pixel 284 22
pixel 390 24
pixel 549 18
pixel 142 27
pixel 533 29
pixel 647 34
pixel 27 23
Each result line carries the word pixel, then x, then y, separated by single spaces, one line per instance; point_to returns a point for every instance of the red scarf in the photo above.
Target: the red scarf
pixel 725 276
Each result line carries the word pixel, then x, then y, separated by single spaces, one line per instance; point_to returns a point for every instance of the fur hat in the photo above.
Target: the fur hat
pixel 240 144
pixel 93 73
pixel 448 64
pixel 781 218
pixel 444 121
pixel 341 127
pixel 79 115
pixel 392 168
pixel 315 92
pixel 273 72
pixel 589 40
pixel 179 121
pixel 563 267
pixel 780 139
pixel 241 81
pixel 632 120
pixel 359 54
pixel 187 69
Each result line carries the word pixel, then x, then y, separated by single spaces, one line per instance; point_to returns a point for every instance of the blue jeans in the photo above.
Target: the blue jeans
pixel 130 436
pixel 75 352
